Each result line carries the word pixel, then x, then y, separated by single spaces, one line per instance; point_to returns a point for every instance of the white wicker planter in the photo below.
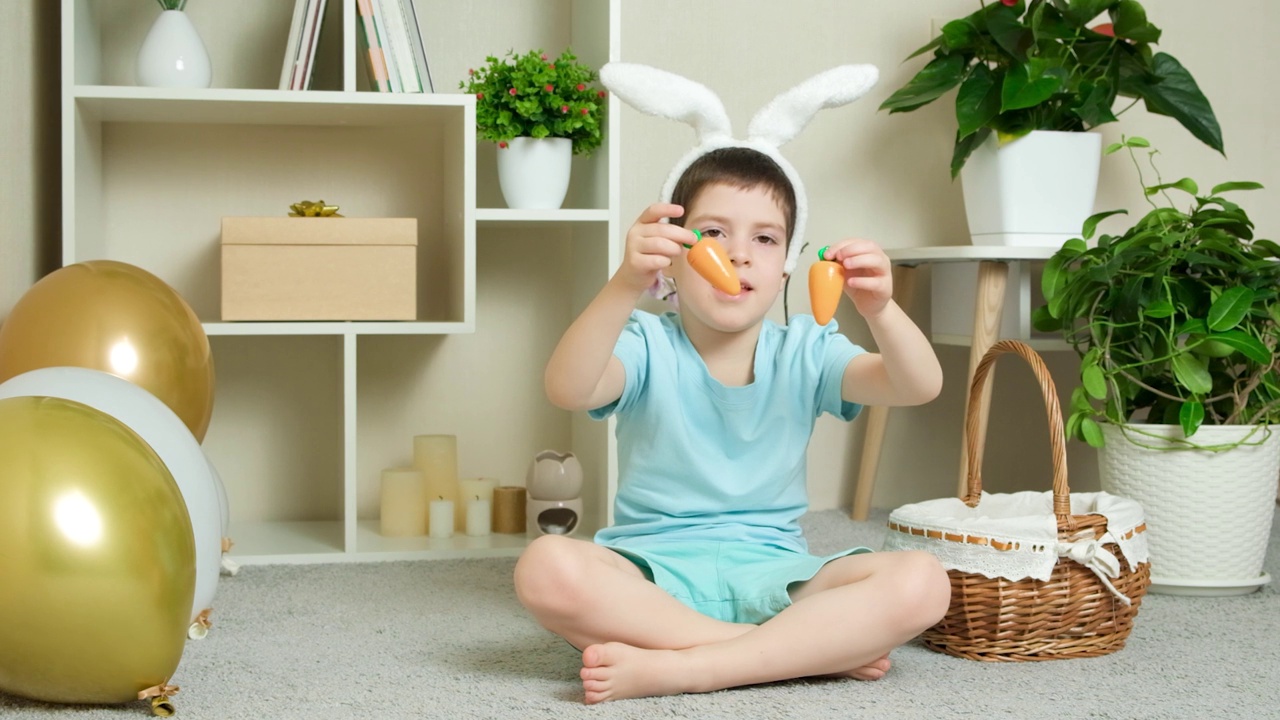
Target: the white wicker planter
pixel 1208 513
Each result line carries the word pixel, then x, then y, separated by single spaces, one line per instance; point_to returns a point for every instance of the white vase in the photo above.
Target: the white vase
pixel 1035 191
pixel 534 172
pixel 1208 513
pixel 173 55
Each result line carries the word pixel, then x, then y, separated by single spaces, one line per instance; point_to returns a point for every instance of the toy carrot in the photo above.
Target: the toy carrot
pixel 709 259
pixel 826 283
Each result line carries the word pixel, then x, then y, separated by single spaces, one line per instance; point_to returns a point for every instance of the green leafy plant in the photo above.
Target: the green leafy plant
pixel 173 4
pixel 1175 320
pixel 531 96
pixel 1023 66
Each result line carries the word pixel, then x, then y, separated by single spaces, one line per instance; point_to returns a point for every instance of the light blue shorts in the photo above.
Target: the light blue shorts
pixel 729 581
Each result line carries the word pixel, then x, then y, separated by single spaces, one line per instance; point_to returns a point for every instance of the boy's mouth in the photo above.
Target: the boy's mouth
pixel 746 288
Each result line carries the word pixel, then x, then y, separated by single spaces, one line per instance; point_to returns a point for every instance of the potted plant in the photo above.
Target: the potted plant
pixel 1176 322
pixel 540 112
pixel 1041 73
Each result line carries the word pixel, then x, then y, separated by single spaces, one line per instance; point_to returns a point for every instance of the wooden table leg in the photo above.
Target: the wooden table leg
pixel 988 306
pixel 904 290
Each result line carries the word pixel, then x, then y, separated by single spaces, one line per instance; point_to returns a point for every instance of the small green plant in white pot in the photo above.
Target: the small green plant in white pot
pixel 1176 322
pixel 540 111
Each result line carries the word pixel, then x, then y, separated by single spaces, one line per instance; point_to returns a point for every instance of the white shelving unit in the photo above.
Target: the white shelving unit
pixel 307 414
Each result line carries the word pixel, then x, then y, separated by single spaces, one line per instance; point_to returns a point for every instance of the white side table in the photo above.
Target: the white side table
pixel 992 292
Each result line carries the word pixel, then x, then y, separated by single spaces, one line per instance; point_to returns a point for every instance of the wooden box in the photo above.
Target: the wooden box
pixel 319 268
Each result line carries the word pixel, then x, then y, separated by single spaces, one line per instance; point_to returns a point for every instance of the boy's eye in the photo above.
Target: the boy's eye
pixel 713 232
pixel 766 239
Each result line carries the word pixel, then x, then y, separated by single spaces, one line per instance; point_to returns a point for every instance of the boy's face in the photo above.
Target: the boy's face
pixel 752 228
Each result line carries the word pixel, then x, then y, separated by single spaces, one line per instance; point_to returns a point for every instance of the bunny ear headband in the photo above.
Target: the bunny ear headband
pixel 664 94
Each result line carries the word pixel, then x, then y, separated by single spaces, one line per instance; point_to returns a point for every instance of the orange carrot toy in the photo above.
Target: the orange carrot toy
pixel 711 261
pixel 826 283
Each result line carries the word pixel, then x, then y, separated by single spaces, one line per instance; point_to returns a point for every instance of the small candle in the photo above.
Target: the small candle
pixel 441 522
pixel 478 516
pixel 436 457
pixel 472 487
pixel 509 509
pixel 404 503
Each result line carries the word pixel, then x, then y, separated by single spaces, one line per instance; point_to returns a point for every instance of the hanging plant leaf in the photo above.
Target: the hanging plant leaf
pixel 1192 373
pixel 1190 417
pixel 1245 343
pixel 1091 433
pixel 1230 308
pixel 1095 383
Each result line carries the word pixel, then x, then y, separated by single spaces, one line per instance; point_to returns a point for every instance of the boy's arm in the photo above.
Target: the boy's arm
pixel 905 371
pixel 583 373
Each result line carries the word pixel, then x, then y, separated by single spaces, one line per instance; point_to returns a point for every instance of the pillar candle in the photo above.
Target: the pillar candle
pixel 478 516
pixel 436 457
pixel 509 509
pixel 469 488
pixel 404 503
pixel 441 523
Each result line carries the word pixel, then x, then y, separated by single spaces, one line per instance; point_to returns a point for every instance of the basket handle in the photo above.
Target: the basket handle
pixel 1057 442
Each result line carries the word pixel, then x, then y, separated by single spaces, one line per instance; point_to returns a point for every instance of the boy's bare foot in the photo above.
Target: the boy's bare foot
pixel 613 671
pixel 873 670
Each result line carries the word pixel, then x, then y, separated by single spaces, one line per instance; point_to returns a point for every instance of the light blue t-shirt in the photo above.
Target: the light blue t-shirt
pixel 700 461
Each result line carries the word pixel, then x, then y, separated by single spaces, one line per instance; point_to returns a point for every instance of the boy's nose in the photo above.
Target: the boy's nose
pixel 738 251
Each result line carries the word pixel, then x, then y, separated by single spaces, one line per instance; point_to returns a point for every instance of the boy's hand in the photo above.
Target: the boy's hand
pixel 868 277
pixel 652 246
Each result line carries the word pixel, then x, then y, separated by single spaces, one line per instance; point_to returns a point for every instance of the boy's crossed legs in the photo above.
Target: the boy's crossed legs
pixel 640 641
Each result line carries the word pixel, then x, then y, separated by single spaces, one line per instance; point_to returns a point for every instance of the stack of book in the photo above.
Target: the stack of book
pixel 391 42
pixel 388 37
pixel 304 36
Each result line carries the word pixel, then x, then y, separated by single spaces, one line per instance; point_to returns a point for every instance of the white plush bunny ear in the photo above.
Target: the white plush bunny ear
pixel 787 114
pixel 658 92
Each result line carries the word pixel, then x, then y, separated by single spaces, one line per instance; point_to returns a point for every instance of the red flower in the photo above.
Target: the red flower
pixel 1009 3
pixel 549 88
pixel 543 56
pixel 502 145
pixel 600 94
pixel 584 111
pixel 471 71
pixel 1107 29
pixel 581 87
pixel 479 96
pixel 564 108
pixel 512 91
pixel 552 66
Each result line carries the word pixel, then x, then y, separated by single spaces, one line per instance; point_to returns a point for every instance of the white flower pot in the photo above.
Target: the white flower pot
pixel 1035 191
pixel 1208 513
pixel 534 173
pixel 173 55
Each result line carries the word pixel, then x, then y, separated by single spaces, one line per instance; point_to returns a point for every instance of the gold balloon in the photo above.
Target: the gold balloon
pixel 118 318
pixel 97 557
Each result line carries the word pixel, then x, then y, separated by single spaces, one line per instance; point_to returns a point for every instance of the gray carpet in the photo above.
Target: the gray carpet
pixel 447 639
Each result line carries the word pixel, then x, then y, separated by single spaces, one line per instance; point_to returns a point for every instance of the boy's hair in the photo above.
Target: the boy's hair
pixel 741 168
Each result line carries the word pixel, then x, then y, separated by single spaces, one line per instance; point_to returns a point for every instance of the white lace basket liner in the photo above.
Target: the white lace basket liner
pixel 1015 536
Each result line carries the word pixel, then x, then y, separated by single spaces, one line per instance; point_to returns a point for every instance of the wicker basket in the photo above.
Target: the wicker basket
pixel 1076 612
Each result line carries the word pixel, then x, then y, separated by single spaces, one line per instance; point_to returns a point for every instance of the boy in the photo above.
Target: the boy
pixel 704 582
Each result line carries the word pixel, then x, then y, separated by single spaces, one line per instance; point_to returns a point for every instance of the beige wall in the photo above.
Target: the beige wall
pixel 28 146
pixel 867 174
pixel 886 177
